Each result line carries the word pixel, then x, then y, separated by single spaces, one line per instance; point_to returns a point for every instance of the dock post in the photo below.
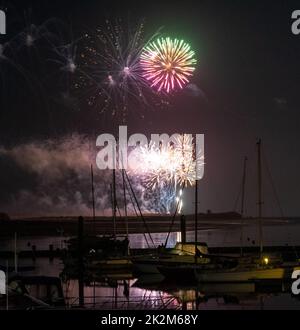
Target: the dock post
pixel 183 229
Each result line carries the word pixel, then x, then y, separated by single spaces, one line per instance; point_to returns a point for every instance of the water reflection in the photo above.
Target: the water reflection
pixel 124 291
pixel 133 294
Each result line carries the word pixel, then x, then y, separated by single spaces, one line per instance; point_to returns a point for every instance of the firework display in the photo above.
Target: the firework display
pixel 179 201
pixel 111 73
pixel 164 168
pixel 168 63
pixel 172 163
pixel 116 69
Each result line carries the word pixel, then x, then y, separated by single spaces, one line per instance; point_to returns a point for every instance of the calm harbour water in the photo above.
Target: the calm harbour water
pixel 125 292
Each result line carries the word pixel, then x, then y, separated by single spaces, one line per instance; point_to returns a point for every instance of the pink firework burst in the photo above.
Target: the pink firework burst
pixel 167 63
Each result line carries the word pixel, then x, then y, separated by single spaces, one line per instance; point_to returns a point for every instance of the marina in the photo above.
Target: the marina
pixel 149 161
pixel 122 288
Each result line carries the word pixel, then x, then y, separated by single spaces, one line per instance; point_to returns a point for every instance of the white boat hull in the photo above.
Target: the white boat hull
pixel 279 273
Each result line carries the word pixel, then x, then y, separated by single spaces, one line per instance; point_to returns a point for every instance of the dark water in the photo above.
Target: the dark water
pixel 124 292
pixel 278 235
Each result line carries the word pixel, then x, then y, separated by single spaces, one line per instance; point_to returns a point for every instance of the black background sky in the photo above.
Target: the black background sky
pixel 248 70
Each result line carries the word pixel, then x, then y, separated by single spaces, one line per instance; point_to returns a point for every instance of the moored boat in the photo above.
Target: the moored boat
pixel 240 273
pixel 182 253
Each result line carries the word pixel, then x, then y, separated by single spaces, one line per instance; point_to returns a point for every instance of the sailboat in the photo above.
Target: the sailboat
pixel 242 271
pixel 100 253
pixel 181 253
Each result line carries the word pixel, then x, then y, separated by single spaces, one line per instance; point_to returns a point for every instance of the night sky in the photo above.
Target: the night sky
pixel 247 79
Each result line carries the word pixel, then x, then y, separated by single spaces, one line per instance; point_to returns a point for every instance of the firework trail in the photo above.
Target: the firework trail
pixel 179 201
pixel 63 56
pixel 51 43
pixel 32 33
pixel 22 60
pixel 168 63
pixel 111 70
pixel 13 76
pixel 165 168
pixel 175 162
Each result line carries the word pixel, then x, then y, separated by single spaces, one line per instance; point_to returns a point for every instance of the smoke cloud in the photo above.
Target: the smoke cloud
pixel 52 177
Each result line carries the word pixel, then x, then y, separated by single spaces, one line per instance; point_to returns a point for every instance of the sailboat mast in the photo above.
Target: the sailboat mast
pixel 242 203
pixel 93 193
pixel 94 222
pixel 243 186
pixel 114 201
pixel 125 202
pixel 259 185
pixel 196 218
pixel 196 204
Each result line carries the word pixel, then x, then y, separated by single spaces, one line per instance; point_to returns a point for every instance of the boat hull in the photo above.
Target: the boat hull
pixel 278 273
pixel 191 273
pixel 149 265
